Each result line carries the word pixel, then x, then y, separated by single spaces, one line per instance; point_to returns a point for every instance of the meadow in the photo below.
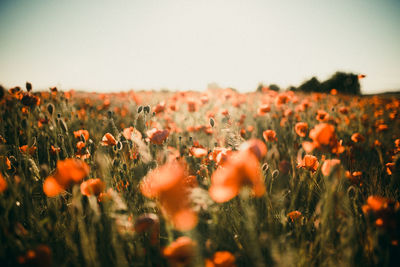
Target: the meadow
pixel 213 178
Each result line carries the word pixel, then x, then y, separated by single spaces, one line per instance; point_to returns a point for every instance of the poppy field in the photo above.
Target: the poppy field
pixel 213 178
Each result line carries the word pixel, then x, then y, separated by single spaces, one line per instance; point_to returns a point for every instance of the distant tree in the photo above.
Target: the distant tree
pixel 312 85
pixel 274 87
pixel 345 83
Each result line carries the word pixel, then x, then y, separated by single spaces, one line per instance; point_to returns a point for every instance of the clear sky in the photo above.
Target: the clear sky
pixel 181 44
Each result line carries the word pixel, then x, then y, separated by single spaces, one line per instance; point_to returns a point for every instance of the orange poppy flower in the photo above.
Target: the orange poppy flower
pixel 294 215
pixel 221 259
pixel 92 187
pixel 309 162
pixel 241 169
pixel 54 150
pixel 322 115
pixel 219 155
pixel 301 129
pixel 270 135
pixel 323 136
pixel 28 150
pixel 357 138
pixel 168 185
pixel 192 107
pixel 130 132
pixel 181 251
pixel 3 184
pixel 156 136
pixel 160 107
pixel 68 172
pixel 354 177
pixel 328 165
pixel 79 133
pixel 198 152
pixel 108 140
pixel 390 168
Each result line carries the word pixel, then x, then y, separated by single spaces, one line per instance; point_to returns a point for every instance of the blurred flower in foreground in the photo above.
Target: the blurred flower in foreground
pixel 241 169
pixel 68 172
pixel 221 259
pixel 168 185
pixel 382 210
pixel 148 222
pixel 181 251
pixel 329 165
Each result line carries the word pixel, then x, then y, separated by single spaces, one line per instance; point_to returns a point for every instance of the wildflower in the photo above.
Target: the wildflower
pixel 221 259
pixel 54 150
pixel 329 165
pixel 68 172
pixel 390 168
pixel 40 256
pixel 181 251
pixel 108 140
pixel 301 129
pixel 160 107
pixel 322 115
pixel 167 184
pixel 131 132
pixel 270 136
pixel 309 162
pixel 324 137
pixel 294 215
pixel 354 177
pixel 357 138
pixel 80 133
pixel 28 150
pixel 92 187
pixel 198 152
pixel 156 136
pixel 241 169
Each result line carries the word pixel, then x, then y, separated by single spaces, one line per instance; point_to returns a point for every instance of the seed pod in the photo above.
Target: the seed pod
pixel 119 145
pixel 50 108
pixel 115 149
pixel 275 174
pixel 265 167
pixel 63 125
pixel 28 86
pixel 115 162
pixel 59 115
pixel 140 108
pixel 212 122
pixel 109 114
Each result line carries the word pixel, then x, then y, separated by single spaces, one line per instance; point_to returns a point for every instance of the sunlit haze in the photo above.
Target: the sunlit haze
pixel 184 45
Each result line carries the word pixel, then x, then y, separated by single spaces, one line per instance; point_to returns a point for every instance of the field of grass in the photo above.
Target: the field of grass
pixel 214 178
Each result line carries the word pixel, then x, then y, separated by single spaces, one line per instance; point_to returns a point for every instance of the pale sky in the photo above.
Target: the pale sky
pixel 120 45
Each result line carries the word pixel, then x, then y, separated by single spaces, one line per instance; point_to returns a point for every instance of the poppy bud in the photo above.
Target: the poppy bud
pixel 212 122
pixel 265 167
pixel 275 174
pixel 59 115
pixel 28 86
pixel 119 145
pixel 109 114
pixel 146 109
pixel 50 108
pixel 63 125
pixel 140 108
pixel 83 138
